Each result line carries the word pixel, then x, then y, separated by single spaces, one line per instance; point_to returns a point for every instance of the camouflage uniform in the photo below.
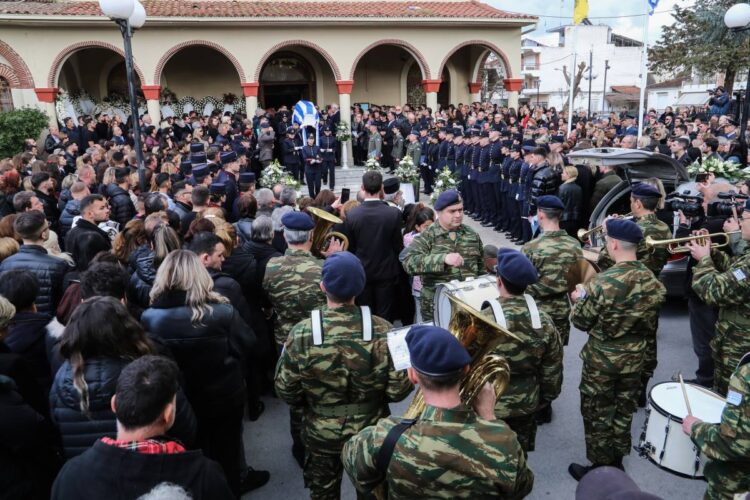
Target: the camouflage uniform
pixel 655 261
pixel 725 282
pixel 426 255
pixel 553 253
pixel 535 368
pixel 620 305
pixel 342 385
pixel 293 286
pixel 727 445
pixel 446 454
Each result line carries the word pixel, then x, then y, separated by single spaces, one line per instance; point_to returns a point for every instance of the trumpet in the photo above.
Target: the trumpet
pixel 584 234
pixel 678 245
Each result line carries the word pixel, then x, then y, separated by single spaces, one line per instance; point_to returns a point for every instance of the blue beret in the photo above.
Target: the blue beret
pixel 218 188
pixel 484 133
pixel 643 190
pixel 515 267
pixel 200 170
pixel 228 157
pixel 529 145
pixel 327 128
pixel 624 230
pixel 435 352
pixel 247 177
pixel 507 143
pixel 391 185
pixel 550 201
pixel 197 147
pixel 343 275
pixel 297 221
pixel 448 198
pixel 186 166
pixel 196 158
pixel 291 130
pixel 414 131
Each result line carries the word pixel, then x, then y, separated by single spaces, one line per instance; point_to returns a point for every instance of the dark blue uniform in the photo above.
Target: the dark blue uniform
pixel 328 145
pixel 290 157
pixel 496 161
pixel 433 149
pixel 514 205
pixel 458 152
pixel 231 191
pixel 469 203
pixel 476 156
pixel 484 186
pixel 313 161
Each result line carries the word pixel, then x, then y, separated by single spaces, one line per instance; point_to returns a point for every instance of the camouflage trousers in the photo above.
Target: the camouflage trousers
pixel 649 358
pixel 322 473
pixel 426 303
pixel 608 401
pixel 525 428
pixel 730 343
pixel 724 483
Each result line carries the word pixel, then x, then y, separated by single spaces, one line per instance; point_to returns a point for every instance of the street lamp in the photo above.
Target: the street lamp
pixel 129 15
pixel 737 18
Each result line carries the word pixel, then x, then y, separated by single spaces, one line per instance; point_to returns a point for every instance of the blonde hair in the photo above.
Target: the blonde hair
pixel 213 213
pixel 8 247
pixel 228 236
pixel 109 176
pixel 7 311
pixel 571 171
pixel 183 271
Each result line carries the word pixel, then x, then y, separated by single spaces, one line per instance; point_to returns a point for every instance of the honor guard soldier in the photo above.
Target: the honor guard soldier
pixel 433 150
pixel 414 150
pixel 290 154
pixel 337 369
pixel 616 308
pixel 374 143
pixel 424 141
pixel 451 451
pixel 445 251
pixel 201 175
pixel 474 172
pixel 502 187
pixel 397 148
pixel 328 146
pixel 469 143
pixel 313 161
pixel 514 175
pixel 450 137
pixel 496 162
pixel 535 359
pixel 443 149
pixel 459 146
pixel 229 173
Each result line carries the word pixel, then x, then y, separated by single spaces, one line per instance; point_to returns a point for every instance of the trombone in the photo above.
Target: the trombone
pixel 584 234
pixel 677 245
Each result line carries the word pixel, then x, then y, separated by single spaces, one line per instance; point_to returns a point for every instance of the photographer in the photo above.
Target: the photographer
pixel 719 102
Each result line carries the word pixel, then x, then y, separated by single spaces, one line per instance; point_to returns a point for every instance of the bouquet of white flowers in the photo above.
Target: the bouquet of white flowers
pixel 343 131
pixel 445 180
pixel 406 171
pixel 275 174
pixel 727 169
pixel 372 164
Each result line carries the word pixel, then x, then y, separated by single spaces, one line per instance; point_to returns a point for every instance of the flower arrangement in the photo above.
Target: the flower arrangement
pixel 343 131
pixel 229 98
pixel 407 171
pixel 372 164
pixel 726 169
pixel 445 180
pixel 275 174
pixel 168 96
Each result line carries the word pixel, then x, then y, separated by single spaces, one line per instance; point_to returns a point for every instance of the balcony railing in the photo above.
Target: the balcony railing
pixel 530 67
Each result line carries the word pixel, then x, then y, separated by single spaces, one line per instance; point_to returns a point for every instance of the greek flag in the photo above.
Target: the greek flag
pixel 652 6
pixel 306 115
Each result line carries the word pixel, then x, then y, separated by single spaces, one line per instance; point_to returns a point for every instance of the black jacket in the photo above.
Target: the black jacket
pixel 572 197
pixel 27 334
pixel 210 354
pixel 142 277
pixel 79 431
pixel 51 211
pixel 49 271
pixel 226 285
pixel 71 210
pixel 374 231
pixel 108 472
pixel 84 241
pixel 122 208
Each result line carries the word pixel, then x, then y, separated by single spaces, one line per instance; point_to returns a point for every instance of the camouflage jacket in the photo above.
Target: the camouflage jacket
pixel 535 363
pixel 426 256
pixel 651 226
pixel 292 283
pixel 621 306
pixel 344 370
pixel 446 454
pixel 552 253
pixel 720 280
pixel 727 445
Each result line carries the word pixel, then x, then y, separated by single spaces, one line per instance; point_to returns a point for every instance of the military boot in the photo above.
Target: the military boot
pixel 578 470
pixel 544 416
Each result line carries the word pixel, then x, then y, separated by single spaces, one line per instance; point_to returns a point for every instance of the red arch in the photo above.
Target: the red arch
pixel 298 43
pixel 9 74
pixel 399 43
pixel 205 43
pixel 482 43
pixel 57 64
pixel 20 72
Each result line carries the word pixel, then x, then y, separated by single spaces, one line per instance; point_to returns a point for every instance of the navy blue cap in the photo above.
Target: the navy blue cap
pixel 529 145
pixel 447 198
pixel 507 143
pixel 557 139
pixel 343 275
pixel 391 186
pixel 218 188
pixel 297 221
pixel 291 130
pixel 516 148
pixel 644 190
pixel 518 136
pixel 197 158
pixel 550 201
pixel 434 352
pixel 505 133
pixel 327 128
pixel 414 131
pixel 247 177
pixel 624 230
pixel 515 267
pixel 433 135
pixel 228 157
pixel 200 170
pixel 197 147
pixel 484 133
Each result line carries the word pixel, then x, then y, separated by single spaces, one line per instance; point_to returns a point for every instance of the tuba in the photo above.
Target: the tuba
pixel 479 335
pixel 322 231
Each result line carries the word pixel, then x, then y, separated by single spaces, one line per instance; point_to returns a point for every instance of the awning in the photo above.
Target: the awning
pixel 693 99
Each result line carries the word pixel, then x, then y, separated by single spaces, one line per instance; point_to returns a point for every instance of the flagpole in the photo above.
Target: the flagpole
pixel 572 79
pixel 644 69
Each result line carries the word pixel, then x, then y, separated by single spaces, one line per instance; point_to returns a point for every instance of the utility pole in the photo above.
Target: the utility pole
pixel 604 94
pixel 591 77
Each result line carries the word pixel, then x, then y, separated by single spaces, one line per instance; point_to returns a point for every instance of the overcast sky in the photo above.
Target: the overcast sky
pixel 562 13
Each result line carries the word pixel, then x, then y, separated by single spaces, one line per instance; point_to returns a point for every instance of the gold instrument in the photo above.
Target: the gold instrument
pixel 479 335
pixel 584 234
pixel 322 231
pixel 677 245
pixel 580 273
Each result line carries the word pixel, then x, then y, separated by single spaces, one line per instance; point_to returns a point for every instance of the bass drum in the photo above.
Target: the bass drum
pixel 472 291
pixel 663 441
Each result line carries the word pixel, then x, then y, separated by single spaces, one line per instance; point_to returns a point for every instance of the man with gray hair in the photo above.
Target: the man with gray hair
pixel 279 243
pixel 266 201
pixel 288 197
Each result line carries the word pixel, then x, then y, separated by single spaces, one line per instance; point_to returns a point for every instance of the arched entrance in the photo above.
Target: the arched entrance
pixel 389 72
pixel 476 63
pixel 88 72
pixel 6 97
pixel 214 76
pixel 287 77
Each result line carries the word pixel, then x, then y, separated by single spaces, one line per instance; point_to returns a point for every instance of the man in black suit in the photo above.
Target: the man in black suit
pixel 374 232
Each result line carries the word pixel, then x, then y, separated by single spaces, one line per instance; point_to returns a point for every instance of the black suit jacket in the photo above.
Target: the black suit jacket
pixel 374 232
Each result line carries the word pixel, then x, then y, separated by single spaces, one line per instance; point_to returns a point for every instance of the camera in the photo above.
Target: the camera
pixel 690 205
pixel 729 202
pixel 731 195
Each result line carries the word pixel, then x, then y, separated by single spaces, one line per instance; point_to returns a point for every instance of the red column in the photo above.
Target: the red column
pixel 344 86
pixel 47 94
pixel 250 89
pixel 151 92
pixel 475 88
pixel 431 85
pixel 513 84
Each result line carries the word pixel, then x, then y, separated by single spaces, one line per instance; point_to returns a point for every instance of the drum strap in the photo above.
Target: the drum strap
pixel 497 310
pixel 536 320
pixel 316 319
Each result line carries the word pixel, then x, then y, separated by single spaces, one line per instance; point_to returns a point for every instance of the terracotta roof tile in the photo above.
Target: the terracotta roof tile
pixel 269 8
pixel 626 89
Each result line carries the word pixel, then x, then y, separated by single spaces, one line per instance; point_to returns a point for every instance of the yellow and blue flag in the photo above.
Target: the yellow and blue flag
pixel 581 11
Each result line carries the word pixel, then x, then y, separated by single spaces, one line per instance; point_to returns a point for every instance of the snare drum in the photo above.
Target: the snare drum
pixel 472 291
pixel 663 442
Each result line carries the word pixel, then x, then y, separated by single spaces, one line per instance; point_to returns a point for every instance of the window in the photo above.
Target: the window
pixel 6 97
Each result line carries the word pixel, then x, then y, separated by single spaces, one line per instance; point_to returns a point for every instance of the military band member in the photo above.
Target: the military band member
pixel 451 451
pixel 536 361
pixel 616 308
pixel 336 368
pixel 445 251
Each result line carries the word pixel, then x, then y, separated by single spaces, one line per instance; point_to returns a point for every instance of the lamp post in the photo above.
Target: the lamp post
pixel 737 18
pixel 129 15
pixel 538 85
pixel 607 67
pixel 590 76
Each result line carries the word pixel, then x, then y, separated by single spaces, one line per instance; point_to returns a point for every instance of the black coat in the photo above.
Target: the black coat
pixel 51 212
pixel 572 197
pixel 79 431
pixel 84 241
pixel 49 271
pixel 121 206
pixel 109 472
pixel 374 232
pixel 142 277
pixel 210 354
pixel 27 334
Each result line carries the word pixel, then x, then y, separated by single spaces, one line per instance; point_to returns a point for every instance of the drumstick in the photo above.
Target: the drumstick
pixel 684 394
pixel 710 393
